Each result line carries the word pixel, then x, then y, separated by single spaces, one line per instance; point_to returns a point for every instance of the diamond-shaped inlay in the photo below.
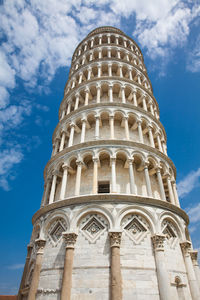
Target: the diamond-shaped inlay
pixel 169 230
pixel 169 233
pixel 56 232
pixel 93 228
pixel 135 228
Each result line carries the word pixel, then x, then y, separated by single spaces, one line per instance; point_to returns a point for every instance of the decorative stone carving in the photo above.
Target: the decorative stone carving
pixel 185 246
pixel 70 239
pixel 158 242
pixel 136 228
pixel 115 238
pixel 55 231
pixel 170 232
pixel 93 227
pixel 40 244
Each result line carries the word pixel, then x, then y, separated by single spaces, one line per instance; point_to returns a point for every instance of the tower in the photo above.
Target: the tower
pixel 110 224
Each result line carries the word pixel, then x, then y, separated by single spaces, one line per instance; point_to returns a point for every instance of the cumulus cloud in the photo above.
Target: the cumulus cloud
pixel 188 183
pixel 8 158
pixel 194 213
pixel 38 37
pixel 15 266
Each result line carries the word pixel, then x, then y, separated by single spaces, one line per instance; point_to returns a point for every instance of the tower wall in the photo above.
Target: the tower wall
pixel 110 224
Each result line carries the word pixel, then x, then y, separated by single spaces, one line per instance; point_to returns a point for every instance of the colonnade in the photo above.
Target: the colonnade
pixel 165 181
pixel 108 52
pixel 103 39
pixel 116 291
pixel 91 126
pixel 110 92
pixel 112 69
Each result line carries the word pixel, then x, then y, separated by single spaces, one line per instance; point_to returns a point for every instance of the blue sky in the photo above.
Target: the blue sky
pixel 37 40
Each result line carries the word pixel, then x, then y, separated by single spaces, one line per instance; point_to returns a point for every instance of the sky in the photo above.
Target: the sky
pixel 37 40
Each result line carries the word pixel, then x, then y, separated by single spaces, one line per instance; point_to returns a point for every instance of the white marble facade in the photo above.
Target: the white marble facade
pixel 110 224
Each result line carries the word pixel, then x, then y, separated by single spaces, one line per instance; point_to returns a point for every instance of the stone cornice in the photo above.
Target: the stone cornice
pixel 109 143
pixel 114 198
pixel 110 104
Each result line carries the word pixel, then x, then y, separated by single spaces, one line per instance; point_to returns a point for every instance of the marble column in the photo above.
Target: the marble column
pixel 126 128
pixel 53 188
pixel 171 195
pixel 71 136
pixel 87 96
pixel 113 174
pixel 159 143
pixel 29 251
pixel 194 288
pixel 39 244
pixel 134 98
pixel 130 74
pixel 110 92
pixel 151 140
pixel 161 269
pixel 140 131
pixel 83 130
pixel 144 103
pixel 89 73
pixel 147 180
pixel 123 94
pixel 80 78
pixel 62 142
pixel 70 240
pixel 95 175
pixel 151 107
pixel 115 268
pixel 69 108
pixel 175 193
pixel 64 182
pixel 97 127
pixel 63 114
pixel 139 79
pixel 120 71
pixel 110 70
pixel 194 255
pixel 99 71
pixel 98 93
pixel 132 177
pixel 161 186
pixel 112 134
pixel 78 178
pixel 46 192
pixel 56 145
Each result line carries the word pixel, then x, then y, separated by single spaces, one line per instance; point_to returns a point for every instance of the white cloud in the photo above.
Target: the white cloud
pixel 188 183
pixel 15 266
pixel 39 37
pixel 193 63
pixel 8 158
pixel 194 213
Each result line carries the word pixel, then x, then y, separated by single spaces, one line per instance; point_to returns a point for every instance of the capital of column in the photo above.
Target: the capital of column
pixel 40 244
pixel 55 172
pixel 72 125
pixel 65 166
pixel 194 255
pixel 87 89
pixel 84 120
pixel 98 86
pixel 130 161
pixel 77 93
pixel 113 160
pixel 69 239
pixel 95 159
pixel 115 238
pixel 158 242
pixel 139 122
pixel 79 162
pixel 186 247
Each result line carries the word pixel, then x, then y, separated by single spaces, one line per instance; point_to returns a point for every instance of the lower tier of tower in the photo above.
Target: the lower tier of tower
pixel 113 247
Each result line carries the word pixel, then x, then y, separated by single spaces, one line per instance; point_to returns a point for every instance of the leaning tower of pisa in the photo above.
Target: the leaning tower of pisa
pixel 110 226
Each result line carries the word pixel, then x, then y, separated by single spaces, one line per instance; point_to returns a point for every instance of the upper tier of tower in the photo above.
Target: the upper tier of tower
pixel 109 118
